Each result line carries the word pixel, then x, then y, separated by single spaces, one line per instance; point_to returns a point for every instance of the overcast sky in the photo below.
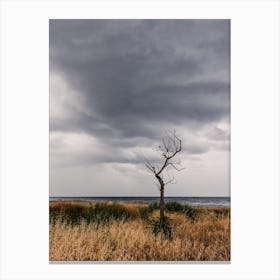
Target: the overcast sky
pixel 118 86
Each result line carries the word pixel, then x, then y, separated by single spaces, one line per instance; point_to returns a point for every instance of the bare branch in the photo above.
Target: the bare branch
pixel 176 168
pixel 171 178
pixel 174 144
pixel 150 166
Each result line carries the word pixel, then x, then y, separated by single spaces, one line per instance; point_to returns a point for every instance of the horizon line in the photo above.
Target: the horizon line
pixel 140 196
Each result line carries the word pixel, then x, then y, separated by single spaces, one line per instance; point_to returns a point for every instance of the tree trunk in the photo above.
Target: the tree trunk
pixel 161 201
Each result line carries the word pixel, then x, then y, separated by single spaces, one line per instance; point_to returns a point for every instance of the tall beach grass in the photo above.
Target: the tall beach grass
pixel 82 231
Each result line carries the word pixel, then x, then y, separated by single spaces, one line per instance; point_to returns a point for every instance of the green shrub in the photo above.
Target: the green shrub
pixel 145 211
pixel 171 206
pixel 161 226
pixel 190 212
pixel 103 212
pixel 70 214
pixel 174 206
pixel 153 206
pixel 100 213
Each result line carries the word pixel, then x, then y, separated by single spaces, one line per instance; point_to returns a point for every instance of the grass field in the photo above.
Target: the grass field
pixel 83 231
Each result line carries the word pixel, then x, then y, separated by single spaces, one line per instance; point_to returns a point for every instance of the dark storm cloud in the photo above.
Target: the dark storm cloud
pixel 135 78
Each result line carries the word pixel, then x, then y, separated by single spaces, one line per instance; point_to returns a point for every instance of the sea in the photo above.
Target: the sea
pixel 193 201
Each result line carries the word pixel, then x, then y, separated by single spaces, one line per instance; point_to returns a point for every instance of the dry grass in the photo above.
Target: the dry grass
pixel 205 239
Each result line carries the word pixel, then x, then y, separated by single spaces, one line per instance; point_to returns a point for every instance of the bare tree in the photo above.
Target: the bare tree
pixel 171 146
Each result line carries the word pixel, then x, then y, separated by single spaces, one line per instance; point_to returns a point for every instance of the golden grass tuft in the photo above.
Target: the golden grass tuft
pixel 205 239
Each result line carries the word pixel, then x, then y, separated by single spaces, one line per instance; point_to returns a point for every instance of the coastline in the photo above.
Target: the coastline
pixel 193 201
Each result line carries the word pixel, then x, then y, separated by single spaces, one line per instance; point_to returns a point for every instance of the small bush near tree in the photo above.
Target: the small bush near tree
pixel 174 206
pixel 161 226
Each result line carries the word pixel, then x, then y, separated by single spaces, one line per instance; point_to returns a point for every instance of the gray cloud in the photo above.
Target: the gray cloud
pixel 126 82
pixel 131 72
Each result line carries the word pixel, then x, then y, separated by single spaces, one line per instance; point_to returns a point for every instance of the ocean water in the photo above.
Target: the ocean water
pixel 194 201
